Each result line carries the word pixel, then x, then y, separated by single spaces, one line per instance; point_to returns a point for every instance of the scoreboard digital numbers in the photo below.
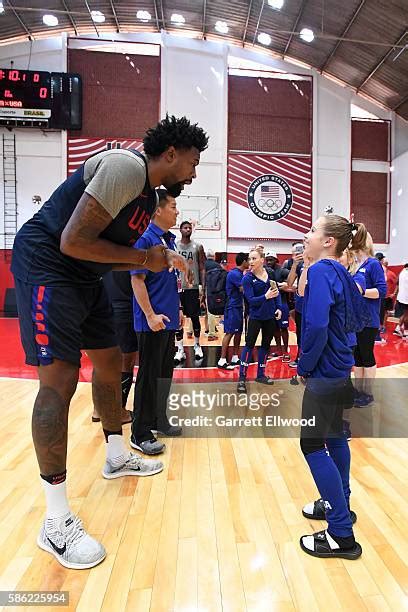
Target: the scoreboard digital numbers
pixel 30 98
pixel 25 93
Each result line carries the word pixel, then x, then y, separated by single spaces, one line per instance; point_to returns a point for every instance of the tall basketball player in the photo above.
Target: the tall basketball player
pixel 86 228
pixel 192 298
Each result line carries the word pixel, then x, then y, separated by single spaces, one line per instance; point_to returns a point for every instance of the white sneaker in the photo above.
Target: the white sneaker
pixel 133 466
pixel 66 539
pixel 198 351
pixel 179 356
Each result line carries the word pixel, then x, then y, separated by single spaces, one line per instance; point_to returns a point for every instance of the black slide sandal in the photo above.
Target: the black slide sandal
pixel 322 548
pixel 319 513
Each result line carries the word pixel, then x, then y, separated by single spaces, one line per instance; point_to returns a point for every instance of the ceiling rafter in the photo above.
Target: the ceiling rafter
pixel 21 22
pixel 258 22
pixel 115 16
pixel 204 15
pixel 295 25
pixel 382 60
pixel 401 102
pixel 90 15
pixel 338 43
pixel 70 17
pixel 162 15
pixel 156 14
pixel 247 22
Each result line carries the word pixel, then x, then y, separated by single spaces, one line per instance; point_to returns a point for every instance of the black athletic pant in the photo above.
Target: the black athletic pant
pixel 254 327
pixel 153 382
pixel 327 410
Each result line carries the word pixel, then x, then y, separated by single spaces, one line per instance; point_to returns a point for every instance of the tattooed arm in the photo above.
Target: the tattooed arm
pixel 81 239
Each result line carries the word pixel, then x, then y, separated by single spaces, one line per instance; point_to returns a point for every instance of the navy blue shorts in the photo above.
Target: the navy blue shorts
pixel 283 322
pixel 124 328
pixel 233 320
pixel 57 322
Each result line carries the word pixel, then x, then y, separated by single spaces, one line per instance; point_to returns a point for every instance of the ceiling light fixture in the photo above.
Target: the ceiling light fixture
pixel 50 20
pixel 143 16
pixel 1 7
pixel 97 16
pixel 276 4
pixel 177 19
pixel 307 35
pixel 264 39
pixel 221 27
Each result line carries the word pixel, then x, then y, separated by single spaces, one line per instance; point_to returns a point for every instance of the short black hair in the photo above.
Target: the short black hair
pixel 163 194
pixel 240 258
pixel 176 132
pixel 185 223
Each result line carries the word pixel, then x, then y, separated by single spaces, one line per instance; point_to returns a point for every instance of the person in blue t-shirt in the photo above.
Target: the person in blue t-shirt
pixel 294 276
pixel 376 289
pixel 330 312
pixel 264 310
pixel 233 312
pixel 157 316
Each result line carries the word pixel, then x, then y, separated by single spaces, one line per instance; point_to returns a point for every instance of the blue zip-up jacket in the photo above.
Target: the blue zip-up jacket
pixel 254 291
pixel 326 351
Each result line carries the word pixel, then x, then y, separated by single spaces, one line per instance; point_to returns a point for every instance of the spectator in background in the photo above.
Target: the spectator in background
pixel 401 305
pixel 288 263
pixel 387 303
pixel 293 281
pixel 157 312
pixel 211 325
pixel 280 275
pixel 376 288
pixel 192 298
pixel 234 312
pixel 264 310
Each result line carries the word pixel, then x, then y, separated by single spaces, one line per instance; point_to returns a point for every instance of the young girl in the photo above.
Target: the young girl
pixel 376 288
pixel 331 311
pixel 264 310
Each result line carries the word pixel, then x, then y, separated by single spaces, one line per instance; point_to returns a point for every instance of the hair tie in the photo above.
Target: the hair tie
pixel 354 228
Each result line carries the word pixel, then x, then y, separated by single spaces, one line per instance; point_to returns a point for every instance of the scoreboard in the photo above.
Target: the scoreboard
pixel 30 98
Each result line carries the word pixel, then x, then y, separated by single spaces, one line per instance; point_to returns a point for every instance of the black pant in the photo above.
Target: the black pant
pixel 364 351
pixel 153 382
pixel 254 327
pixel 327 410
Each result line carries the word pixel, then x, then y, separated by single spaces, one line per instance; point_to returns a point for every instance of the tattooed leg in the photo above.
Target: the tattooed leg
pixel 106 386
pixel 50 415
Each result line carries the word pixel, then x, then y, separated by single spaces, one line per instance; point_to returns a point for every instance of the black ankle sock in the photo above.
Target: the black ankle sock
pixel 55 479
pixel 344 543
pixel 127 379
pixel 111 433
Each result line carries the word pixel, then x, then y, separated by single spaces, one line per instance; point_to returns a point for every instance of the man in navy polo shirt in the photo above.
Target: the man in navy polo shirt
pixel 156 308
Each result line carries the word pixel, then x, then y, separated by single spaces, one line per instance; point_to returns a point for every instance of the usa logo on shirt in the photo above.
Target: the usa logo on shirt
pixel 270 197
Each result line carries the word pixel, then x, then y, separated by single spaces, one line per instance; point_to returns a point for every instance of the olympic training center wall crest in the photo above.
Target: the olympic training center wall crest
pixel 270 197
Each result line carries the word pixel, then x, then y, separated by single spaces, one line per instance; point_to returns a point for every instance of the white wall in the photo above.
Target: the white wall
pixel 332 148
pixel 194 83
pixel 41 155
pixel 397 250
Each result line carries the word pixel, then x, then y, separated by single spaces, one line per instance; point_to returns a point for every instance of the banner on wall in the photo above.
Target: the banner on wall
pixel 269 196
pixel 79 149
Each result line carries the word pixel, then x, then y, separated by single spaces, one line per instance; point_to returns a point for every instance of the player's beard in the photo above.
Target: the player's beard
pixel 176 189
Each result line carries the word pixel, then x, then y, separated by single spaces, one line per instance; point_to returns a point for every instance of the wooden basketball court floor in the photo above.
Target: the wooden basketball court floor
pixel 217 530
